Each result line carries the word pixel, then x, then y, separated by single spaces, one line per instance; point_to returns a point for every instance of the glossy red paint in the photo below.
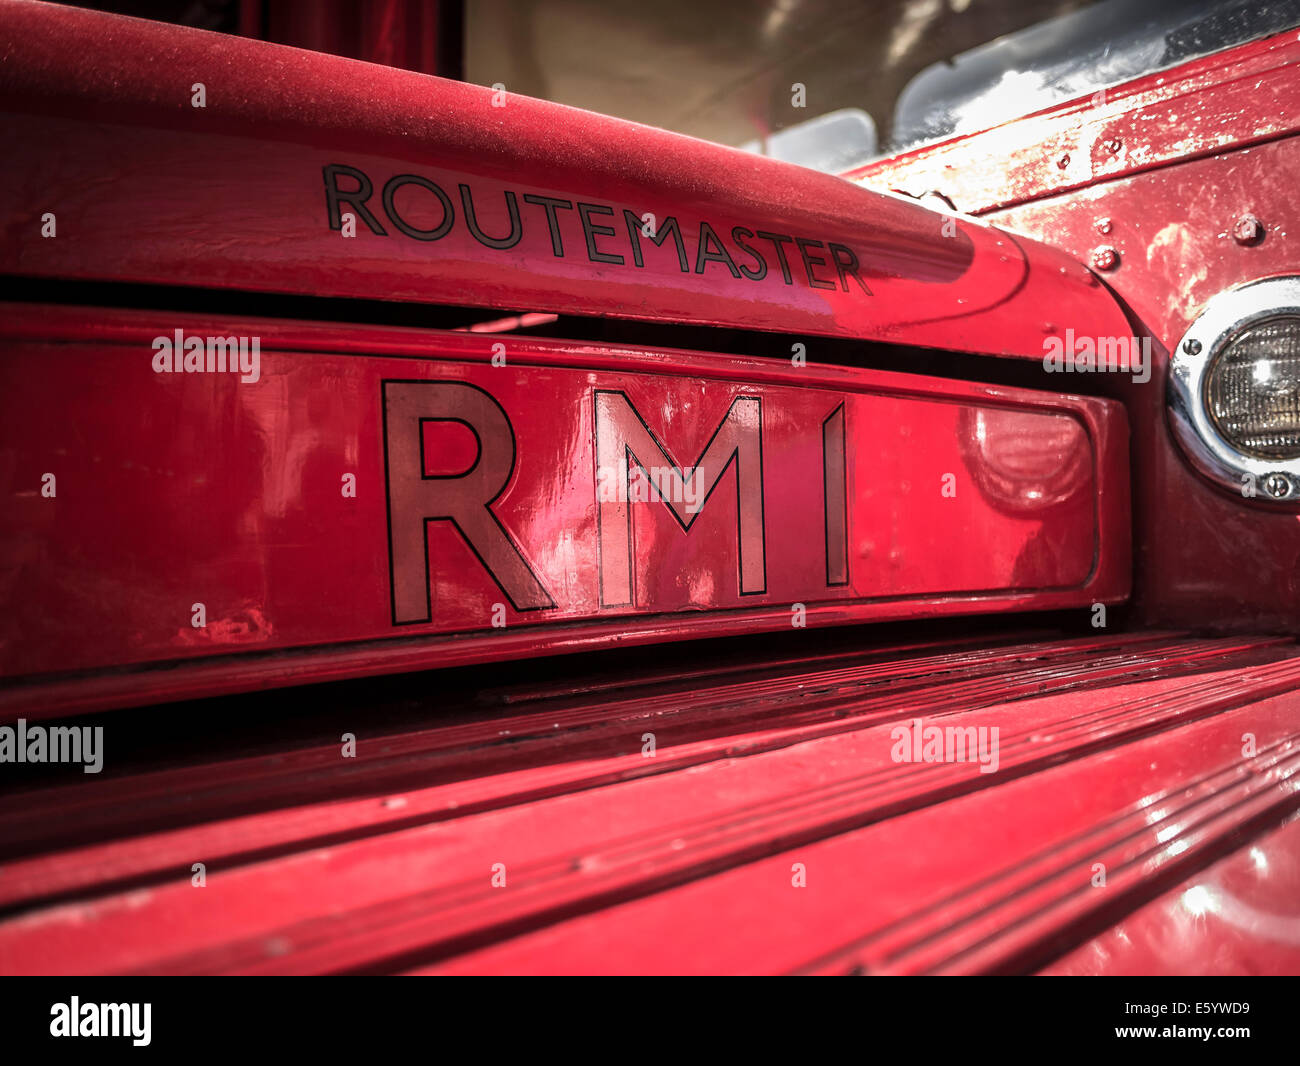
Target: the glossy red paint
pixel 1240 916
pixel 1124 750
pixel 249 193
pixel 1204 144
pixel 1204 557
pixel 1112 750
pixel 542 742
pixel 982 883
pixel 853 494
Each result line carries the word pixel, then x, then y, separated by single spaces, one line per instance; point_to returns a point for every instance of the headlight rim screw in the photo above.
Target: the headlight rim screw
pixel 1277 485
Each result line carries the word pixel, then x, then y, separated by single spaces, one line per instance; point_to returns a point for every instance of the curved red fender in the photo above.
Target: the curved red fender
pixel 461 195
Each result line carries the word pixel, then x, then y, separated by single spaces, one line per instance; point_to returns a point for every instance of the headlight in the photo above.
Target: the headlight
pixel 1253 390
pixel 1234 390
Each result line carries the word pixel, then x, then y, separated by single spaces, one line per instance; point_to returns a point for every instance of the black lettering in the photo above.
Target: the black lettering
pixel 550 204
pixel 465 500
pixel 512 205
pixel 669 225
pixel 777 240
pixel 749 272
pixel 848 264
pixel 809 261
pixel 356 199
pixel 704 255
pixel 591 229
pixel 390 208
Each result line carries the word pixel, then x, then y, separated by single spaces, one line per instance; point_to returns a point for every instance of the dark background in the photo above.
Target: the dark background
pixel 717 69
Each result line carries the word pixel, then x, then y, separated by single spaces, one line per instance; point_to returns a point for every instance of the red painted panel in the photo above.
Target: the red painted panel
pixel 1240 916
pixel 978 884
pixel 175 489
pixel 463 197
pixel 1200 146
pixel 566 858
pixel 1204 557
pixel 145 825
pixel 1208 106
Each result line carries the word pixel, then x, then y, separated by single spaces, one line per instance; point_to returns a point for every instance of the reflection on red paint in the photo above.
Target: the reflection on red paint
pixel 500 548
pixel 506 325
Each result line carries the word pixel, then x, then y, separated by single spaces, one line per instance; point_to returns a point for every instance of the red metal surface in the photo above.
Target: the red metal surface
pixel 1173 230
pixel 1204 144
pixel 854 494
pixel 1240 916
pixel 1209 106
pixel 771 826
pixel 1201 146
pixel 1128 754
pixel 586 752
pixel 234 196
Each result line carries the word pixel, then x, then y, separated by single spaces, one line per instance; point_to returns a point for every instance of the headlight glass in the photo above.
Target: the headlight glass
pixel 1252 390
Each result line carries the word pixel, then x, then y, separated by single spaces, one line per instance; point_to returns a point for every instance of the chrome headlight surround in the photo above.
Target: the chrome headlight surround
pixel 1226 316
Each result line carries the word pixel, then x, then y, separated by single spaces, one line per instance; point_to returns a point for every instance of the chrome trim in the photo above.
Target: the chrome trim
pixel 1226 315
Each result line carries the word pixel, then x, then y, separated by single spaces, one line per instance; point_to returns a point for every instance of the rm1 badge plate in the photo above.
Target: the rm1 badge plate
pixel 413 498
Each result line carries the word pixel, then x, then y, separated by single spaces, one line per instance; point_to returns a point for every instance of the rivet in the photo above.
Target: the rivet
pixel 1247 230
pixel 1105 257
